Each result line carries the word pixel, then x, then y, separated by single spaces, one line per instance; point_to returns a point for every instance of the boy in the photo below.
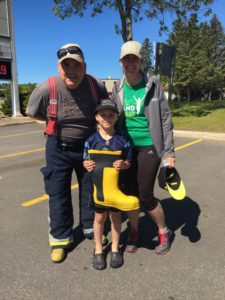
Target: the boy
pixel 105 139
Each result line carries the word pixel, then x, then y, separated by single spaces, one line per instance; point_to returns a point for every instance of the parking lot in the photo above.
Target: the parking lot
pixel 193 269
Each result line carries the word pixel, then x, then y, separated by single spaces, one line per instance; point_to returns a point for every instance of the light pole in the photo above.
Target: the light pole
pixel 14 81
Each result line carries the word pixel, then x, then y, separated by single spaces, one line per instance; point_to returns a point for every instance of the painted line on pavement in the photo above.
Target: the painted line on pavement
pixel 19 134
pixel 188 144
pixel 21 153
pixel 42 149
pixel 75 186
pixel 43 198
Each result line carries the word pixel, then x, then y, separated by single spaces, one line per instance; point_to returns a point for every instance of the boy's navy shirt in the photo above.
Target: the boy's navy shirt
pixel 116 143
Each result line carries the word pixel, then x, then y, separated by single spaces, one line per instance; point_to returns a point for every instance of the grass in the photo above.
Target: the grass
pixel 199 116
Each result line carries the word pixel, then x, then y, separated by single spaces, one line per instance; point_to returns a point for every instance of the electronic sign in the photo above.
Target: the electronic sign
pixel 5 70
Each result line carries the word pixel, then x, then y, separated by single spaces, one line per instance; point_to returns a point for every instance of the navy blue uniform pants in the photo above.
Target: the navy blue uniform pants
pixel 60 163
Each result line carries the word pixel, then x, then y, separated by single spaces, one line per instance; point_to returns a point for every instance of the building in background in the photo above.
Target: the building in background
pixel 109 83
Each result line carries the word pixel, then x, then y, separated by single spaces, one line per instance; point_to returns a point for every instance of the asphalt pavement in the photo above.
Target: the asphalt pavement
pixel 20 120
pixel 194 268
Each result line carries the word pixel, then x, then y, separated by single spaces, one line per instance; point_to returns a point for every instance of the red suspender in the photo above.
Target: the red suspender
pixel 53 107
pixel 93 88
pixel 53 102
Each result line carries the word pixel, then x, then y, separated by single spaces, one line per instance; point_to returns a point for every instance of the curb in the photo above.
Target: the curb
pixel 16 123
pixel 19 120
pixel 198 134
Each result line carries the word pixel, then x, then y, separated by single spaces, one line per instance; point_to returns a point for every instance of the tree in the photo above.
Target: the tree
pixel 25 91
pixel 217 53
pixel 200 60
pixel 147 54
pixel 6 106
pixel 185 38
pixel 211 55
pixel 131 11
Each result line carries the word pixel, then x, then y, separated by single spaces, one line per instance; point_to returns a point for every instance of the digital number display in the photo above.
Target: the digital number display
pixel 5 70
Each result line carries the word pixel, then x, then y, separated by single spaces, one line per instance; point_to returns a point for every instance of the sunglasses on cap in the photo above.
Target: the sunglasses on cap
pixel 72 50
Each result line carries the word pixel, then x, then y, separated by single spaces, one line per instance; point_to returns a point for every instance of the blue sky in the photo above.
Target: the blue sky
pixel 39 34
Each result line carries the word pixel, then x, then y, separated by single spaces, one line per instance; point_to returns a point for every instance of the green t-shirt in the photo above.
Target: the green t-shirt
pixel 135 120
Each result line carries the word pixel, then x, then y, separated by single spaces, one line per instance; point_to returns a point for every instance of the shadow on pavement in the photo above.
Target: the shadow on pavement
pixel 78 238
pixel 179 214
pixel 184 214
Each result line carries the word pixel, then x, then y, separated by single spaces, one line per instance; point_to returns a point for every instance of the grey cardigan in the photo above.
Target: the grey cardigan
pixel 157 112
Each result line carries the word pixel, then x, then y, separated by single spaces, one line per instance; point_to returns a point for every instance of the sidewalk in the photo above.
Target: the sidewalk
pixel 20 120
pixel 197 134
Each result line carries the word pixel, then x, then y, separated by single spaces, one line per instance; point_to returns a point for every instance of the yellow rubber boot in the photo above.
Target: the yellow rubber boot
pixel 105 179
pixel 113 197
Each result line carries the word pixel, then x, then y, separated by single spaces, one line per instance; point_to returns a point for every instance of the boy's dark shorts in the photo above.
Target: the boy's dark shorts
pixel 100 209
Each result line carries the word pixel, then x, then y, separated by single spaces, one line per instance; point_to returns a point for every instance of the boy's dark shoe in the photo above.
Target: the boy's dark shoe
pixel 116 260
pixel 99 261
pixel 164 242
pixel 132 243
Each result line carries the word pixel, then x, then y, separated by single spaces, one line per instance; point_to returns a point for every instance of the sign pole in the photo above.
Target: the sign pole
pixel 14 82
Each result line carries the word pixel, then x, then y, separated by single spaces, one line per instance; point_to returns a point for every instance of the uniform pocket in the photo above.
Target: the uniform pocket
pixel 69 107
pixel 47 173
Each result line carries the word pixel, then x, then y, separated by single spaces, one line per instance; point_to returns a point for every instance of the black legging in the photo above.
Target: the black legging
pixel 139 180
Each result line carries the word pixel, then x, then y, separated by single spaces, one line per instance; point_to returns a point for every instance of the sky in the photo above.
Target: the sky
pixel 39 34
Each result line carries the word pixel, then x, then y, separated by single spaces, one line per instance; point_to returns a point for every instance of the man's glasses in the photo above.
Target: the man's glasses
pixel 72 50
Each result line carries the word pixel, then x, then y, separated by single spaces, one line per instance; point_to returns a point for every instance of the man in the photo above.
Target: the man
pixel 70 120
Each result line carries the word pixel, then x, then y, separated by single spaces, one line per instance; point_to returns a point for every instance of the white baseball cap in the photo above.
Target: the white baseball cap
pixel 131 47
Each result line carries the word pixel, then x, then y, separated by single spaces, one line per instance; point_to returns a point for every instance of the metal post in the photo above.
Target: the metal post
pixel 154 59
pixel 170 84
pixel 154 54
pixel 171 76
pixel 14 82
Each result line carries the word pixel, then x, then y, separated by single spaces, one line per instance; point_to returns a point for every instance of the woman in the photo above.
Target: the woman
pixel 146 119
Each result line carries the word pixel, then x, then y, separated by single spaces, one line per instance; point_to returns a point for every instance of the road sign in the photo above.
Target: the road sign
pixel 5 48
pixel 4 20
pixel 165 59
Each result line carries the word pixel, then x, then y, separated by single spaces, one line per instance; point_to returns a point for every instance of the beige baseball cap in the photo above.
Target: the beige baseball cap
pixel 131 47
pixel 72 51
